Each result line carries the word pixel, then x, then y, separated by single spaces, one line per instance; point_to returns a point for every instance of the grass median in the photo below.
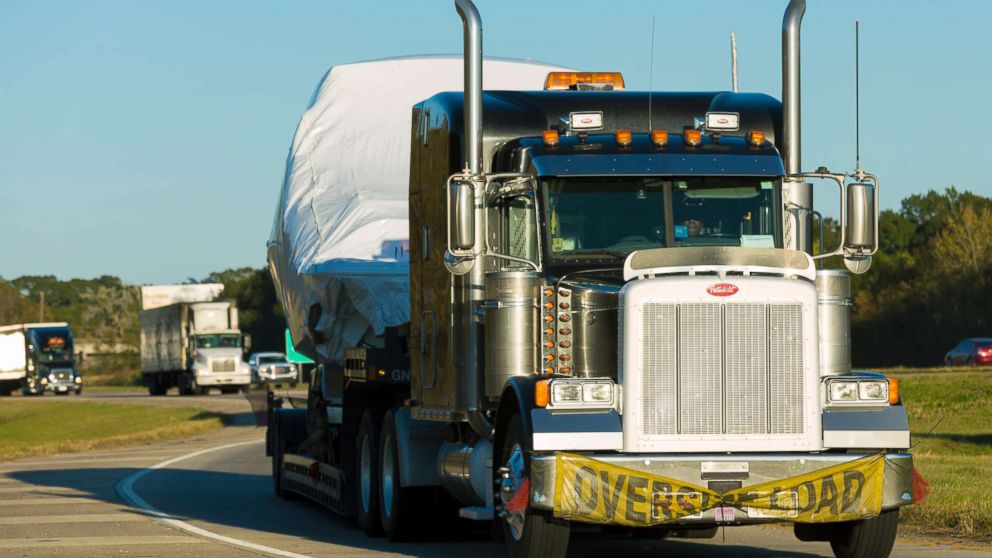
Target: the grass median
pixel 950 416
pixel 31 428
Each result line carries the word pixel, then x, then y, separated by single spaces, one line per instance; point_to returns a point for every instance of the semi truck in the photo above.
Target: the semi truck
pixel 604 309
pixel 194 346
pixel 38 357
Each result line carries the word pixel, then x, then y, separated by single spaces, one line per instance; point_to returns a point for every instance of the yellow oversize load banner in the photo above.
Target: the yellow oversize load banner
pixel 597 492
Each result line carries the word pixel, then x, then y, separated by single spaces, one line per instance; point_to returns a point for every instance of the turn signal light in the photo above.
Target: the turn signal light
pixel 893 391
pixel 549 292
pixel 566 369
pixel 549 344
pixel 692 137
pixel 624 137
pixel 756 137
pixel 549 318
pixel 659 138
pixel 550 137
pixel 564 81
pixel 542 393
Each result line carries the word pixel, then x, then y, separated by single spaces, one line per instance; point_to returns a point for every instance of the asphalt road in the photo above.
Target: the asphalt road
pixel 212 502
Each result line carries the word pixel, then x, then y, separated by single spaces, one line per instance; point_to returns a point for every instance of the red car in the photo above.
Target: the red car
pixel 976 351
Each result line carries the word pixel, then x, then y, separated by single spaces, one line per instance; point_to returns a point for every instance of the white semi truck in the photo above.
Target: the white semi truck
pixel 194 346
pixel 36 358
pixel 576 306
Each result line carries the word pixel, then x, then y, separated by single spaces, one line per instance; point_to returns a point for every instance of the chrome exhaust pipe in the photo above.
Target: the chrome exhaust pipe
pixel 472 54
pixel 469 287
pixel 791 148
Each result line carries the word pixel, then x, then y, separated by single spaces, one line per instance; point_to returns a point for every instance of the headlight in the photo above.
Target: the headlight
pixel 582 394
pixel 566 393
pixel 43 381
pixel 79 379
pixel 597 393
pixel 843 391
pixel 871 391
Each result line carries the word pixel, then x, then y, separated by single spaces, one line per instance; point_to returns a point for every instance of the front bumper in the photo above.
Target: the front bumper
pixel 707 470
pixel 223 379
pixel 276 377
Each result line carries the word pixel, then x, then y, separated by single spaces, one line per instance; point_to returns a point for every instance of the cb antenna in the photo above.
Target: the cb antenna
pixel 733 61
pixel 857 94
pixel 651 77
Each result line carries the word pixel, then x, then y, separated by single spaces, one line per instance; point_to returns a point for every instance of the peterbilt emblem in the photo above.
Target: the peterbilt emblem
pixel 722 289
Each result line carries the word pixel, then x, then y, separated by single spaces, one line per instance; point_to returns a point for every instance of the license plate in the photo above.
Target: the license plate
pixel 63 388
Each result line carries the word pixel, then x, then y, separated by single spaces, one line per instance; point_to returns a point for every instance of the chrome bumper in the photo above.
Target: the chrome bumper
pixel 761 468
pixel 223 379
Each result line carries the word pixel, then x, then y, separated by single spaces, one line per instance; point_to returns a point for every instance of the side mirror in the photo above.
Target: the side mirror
pixel 246 343
pixel 464 218
pixel 859 235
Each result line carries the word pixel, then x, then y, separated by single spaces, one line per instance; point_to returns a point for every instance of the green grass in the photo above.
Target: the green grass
pixel 30 428
pixel 956 456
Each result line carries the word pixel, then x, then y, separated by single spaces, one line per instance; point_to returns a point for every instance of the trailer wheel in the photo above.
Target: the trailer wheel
pixel 367 487
pixel 400 508
pixel 529 532
pixel 868 538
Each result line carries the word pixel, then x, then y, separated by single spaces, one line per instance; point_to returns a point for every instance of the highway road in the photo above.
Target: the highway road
pixel 212 496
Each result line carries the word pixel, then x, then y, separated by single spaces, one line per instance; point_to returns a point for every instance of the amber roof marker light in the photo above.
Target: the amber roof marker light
pixel 596 81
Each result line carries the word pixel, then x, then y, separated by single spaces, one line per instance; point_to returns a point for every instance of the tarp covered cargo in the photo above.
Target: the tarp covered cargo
pixel 340 237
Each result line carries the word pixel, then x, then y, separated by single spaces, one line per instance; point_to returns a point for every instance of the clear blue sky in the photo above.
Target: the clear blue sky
pixel 147 139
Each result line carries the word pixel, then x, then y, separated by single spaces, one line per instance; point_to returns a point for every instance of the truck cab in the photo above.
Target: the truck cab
pixel 51 362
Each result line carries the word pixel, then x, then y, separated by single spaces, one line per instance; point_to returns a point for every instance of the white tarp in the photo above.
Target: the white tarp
pixel 340 237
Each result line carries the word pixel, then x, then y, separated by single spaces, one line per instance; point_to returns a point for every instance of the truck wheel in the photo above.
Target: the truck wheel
pixel 400 508
pixel 868 538
pixel 367 450
pixel 528 532
pixel 278 451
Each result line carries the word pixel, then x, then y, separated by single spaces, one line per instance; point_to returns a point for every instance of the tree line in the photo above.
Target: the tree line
pixel 930 286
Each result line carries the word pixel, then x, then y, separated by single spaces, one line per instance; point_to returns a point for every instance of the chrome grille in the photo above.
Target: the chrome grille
pixel 734 368
pixel 222 365
pixel 786 344
pixel 701 379
pixel 660 372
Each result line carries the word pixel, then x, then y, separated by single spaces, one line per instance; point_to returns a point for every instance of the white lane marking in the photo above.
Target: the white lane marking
pixel 125 488
pixel 115 540
pixel 75 518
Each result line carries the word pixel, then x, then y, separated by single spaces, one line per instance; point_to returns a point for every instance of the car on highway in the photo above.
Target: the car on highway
pixel 272 368
pixel 976 351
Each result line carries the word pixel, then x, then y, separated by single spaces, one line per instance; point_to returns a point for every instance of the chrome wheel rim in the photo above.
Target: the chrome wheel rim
pixel 510 483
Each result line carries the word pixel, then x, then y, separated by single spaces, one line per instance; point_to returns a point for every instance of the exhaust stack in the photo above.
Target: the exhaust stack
pixel 791 23
pixel 472 54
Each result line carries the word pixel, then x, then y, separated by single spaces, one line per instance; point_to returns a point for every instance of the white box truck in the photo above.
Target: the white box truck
pixel 36 358
pixel 193 346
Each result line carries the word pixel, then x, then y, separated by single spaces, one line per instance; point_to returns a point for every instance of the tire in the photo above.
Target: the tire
pixel 869 538
pixel 948 362
pixel 278 451
pixel 536 533
pixel 971 362
pixel 401 509
pixel 367 475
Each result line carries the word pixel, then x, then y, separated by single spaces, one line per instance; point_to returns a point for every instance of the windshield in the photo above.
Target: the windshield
pixel 218 340
pixel 613 216
pixel 271 359
pixel 54 346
